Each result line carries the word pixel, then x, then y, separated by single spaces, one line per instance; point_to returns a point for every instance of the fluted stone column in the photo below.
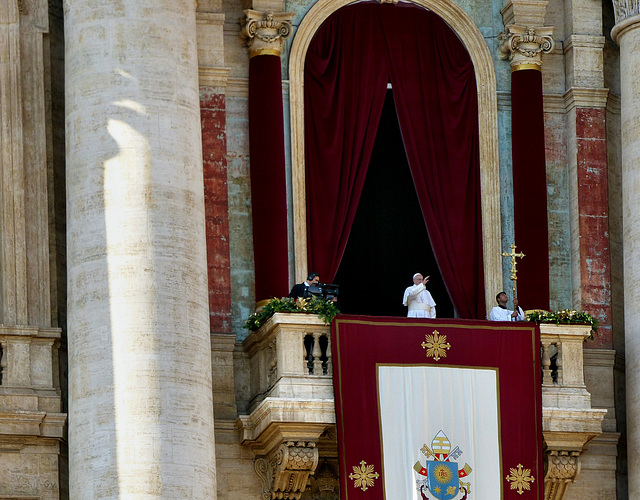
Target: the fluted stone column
pixel 140 393
pixel 627 34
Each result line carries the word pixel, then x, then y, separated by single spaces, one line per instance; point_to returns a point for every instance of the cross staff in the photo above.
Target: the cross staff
pixel 514 271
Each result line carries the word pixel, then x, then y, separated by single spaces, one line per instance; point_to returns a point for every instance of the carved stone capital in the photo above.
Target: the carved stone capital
pixel 285 472
pixel 625 8
pixel 265 31
pixel 524 45
pixel 561 469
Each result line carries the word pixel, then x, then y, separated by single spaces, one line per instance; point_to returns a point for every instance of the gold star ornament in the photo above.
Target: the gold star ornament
pixel 436 345
pixel 519 479
pixel 363 476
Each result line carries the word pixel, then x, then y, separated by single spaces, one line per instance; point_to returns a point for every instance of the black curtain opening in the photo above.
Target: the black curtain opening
pixel 388 242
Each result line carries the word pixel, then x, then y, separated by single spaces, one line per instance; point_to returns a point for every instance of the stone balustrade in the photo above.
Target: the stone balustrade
pixel 290 357
pixel 292 398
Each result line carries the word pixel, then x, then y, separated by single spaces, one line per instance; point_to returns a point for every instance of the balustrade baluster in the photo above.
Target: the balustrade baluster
pixel 559 365
pixel 317 355
pixel 3 361
pixel 329 367
pixel 305 355
pixel 546 363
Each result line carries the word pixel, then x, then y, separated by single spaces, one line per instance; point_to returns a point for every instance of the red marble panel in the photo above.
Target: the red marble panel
pixel 595 262
pixel 214 149
pixel 590 123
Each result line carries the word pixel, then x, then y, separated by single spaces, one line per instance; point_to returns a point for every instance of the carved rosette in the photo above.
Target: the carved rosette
pixel 265 31
pixel 561 469
pixel 524 45
pixel 286 471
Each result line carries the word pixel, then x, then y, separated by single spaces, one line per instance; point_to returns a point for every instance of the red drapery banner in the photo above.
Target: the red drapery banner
pixel 353 56
pixel 473 391
pixel 268 177
pixel 530 188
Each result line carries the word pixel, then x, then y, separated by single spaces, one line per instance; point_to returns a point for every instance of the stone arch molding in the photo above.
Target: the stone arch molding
pixel 478 50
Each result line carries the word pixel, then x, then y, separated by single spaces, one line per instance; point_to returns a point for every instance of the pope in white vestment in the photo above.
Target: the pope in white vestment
pixel 418 299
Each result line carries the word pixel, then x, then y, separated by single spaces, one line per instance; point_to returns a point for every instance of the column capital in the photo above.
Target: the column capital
pixel 524 45
pixel 627 14
pixel 265 31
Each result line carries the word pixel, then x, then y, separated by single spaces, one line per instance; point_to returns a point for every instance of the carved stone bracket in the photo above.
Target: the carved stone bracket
pixel 265 31
pixel 286 471
pixel 561 469
pixel 524 45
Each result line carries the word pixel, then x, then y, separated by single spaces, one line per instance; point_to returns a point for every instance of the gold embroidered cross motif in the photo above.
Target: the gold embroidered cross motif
pixel 363 476
pixel 436 345
pixel 519 479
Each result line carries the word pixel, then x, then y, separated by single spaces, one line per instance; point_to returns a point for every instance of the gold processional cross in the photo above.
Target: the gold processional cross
pixel 514 271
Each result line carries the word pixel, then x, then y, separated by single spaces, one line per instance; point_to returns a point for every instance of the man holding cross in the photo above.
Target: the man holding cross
pixel 501 313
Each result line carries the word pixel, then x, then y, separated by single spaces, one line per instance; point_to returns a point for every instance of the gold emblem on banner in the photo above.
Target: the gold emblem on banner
pixel 363 476
pixel 436 345
pixel 519 479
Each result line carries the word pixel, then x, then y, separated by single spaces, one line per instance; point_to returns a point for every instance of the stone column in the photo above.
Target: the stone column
pixel 627 34
pixel 140 390
pixel 265 32
pixel 524 46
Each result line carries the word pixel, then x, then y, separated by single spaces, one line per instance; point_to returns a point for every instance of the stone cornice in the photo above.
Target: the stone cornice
pixel 213 77
pixel 583 41
pixel 237 87
pixel 579 97
pixel 528 12
pixel 553 103
pixel 214 18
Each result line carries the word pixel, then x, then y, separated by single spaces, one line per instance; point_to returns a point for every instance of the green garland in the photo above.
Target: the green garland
pixel 566 316
pixel 326 310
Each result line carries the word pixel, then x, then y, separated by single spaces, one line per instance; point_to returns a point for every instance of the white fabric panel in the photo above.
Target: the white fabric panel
pixel 416 402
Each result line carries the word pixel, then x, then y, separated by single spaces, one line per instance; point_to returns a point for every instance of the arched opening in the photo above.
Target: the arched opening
pixel 471 37
pixel 358 50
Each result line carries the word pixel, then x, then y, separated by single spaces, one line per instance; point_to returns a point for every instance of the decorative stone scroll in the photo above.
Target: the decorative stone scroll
pixel 626 8
pixel 286 471
pixel 524 45
pixel 265 31
pixel 562 468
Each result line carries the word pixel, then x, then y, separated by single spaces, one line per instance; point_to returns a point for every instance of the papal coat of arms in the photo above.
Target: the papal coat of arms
pixel 441 478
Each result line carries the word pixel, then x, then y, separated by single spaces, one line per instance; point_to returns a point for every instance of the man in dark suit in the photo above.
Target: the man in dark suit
pixel 300 290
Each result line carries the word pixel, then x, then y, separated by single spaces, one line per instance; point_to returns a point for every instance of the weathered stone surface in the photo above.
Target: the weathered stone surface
pixel 140 392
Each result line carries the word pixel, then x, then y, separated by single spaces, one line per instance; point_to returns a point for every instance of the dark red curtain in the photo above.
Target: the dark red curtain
pixel 352 57
pixel 268 178
pixel 530 189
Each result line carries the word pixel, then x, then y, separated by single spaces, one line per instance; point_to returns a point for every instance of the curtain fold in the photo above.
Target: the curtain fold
pixel 350 60
pixel 436 99
pixel 345 86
